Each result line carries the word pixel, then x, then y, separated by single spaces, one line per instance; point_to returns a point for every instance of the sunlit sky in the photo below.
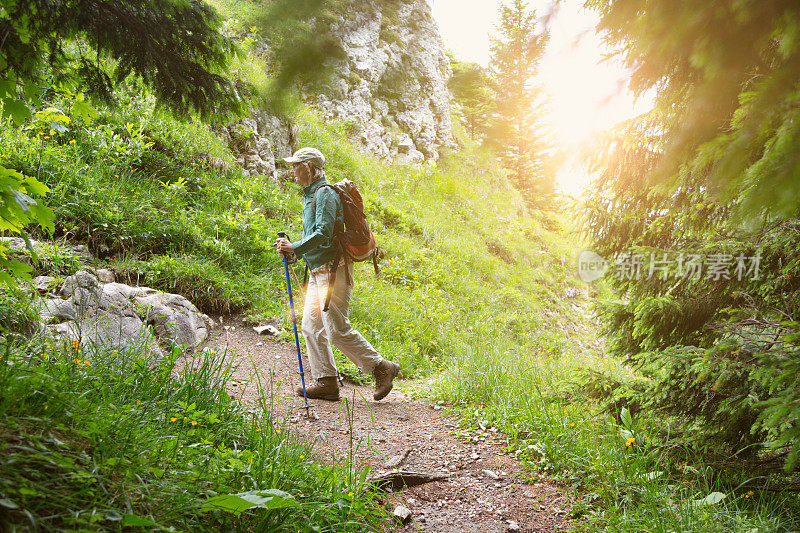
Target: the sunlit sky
pixel 588 94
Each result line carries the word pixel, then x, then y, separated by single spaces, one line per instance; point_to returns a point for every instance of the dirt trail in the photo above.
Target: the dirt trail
pixel 483 491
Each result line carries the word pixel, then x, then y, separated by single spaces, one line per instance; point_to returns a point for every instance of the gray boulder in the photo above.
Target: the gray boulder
pixel 56 310
pixel 84 291
pixel 43 283
pixel 106 332
pixel 175 318
pixel 126 291
pixel 115 316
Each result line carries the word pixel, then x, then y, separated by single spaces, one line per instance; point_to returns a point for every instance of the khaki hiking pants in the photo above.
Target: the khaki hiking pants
pixel 319 327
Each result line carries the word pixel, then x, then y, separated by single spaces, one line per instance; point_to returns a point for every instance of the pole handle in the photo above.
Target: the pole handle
pixel 290 258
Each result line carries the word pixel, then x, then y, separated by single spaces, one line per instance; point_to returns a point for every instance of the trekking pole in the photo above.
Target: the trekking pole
pixel 294 325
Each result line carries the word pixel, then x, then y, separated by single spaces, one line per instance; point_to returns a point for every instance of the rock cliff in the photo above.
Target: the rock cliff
pixel 390 87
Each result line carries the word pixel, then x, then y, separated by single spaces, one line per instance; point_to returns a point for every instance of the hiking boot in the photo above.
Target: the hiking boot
pixel 322 389
pixel 384 373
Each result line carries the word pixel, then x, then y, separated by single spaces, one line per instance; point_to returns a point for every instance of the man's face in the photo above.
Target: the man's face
pixel 302 173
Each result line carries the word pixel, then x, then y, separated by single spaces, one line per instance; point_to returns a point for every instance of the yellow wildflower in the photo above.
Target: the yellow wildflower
pixel 138 402
pixel 194 422
pixel 350 494
pixel 75 344
pixel 173 419
pixel 630 441
pixel 72 141
pixel 87 363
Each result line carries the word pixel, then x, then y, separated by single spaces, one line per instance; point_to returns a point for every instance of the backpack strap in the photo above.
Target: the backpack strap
pixel 314 199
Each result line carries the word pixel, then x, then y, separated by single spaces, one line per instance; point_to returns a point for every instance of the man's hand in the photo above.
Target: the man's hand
pixel 284 246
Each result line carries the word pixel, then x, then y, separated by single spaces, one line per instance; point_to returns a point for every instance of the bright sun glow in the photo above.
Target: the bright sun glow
pixel 587 95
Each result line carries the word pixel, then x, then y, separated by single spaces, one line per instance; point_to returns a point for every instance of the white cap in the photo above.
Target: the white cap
pixel 307 154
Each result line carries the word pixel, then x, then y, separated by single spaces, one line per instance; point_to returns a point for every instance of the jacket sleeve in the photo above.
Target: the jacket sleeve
pixel 324 219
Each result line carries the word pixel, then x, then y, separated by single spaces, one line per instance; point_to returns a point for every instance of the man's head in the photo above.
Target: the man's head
pixel 307 164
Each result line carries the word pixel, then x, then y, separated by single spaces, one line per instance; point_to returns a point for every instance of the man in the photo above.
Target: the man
pixel 322 211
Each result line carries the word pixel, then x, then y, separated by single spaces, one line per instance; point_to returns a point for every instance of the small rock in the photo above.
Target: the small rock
pixel 491 474
pixel 267 330
pixel 259 344
pixel 528 494
pixel 402 513
pixel 512 526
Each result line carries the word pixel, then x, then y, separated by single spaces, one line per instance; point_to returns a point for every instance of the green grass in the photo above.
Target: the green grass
pixel 97 441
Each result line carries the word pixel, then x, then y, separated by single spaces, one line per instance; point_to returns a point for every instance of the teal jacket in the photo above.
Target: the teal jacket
pixel 316 247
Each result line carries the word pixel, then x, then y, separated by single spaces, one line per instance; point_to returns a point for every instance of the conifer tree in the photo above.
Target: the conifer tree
pixel 709 177
pixel 515 131
pixel 471 89
pixel 175 46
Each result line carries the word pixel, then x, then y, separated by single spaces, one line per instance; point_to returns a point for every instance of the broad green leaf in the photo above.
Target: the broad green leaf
pixel 8 87
pixel 44 216
pixel 85 111
pixel 8 504
pixel 625 416
pixel 226 502
pixel 35 186
pixel 23 200
pixel 5 279
pixel 17 110
pixel 58 127
pixel 270 499
pixel 32 92
pixel 712 499
pixel 133 520
pixel 237 503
